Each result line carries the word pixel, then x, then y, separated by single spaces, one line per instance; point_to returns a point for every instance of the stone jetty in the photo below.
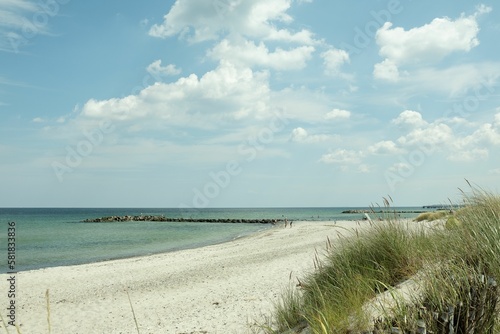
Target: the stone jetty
pixel 149 218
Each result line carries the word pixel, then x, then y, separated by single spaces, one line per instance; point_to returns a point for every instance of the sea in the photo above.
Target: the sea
pixel 51 237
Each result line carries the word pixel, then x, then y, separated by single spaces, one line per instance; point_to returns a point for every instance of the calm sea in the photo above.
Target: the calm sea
pixel 47 237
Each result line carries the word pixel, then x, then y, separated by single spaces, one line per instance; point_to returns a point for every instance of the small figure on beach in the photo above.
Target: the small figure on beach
pixel 291 222
pixel 286 223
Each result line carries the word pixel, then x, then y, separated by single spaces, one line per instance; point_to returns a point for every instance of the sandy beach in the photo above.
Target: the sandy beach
pixel 222 288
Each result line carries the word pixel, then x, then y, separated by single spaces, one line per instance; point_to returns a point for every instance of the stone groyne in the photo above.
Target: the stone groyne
pixel 149 218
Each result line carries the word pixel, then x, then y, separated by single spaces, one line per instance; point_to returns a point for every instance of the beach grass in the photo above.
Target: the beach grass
pixel 453 266
pixel 431 216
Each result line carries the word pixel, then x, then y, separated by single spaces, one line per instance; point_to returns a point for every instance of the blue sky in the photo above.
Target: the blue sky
pixel 247 103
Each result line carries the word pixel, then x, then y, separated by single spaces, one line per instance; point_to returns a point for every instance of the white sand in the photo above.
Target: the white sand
pixel 216 289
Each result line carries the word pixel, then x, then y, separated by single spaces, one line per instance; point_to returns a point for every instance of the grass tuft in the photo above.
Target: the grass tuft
pixel 47 298
pixel 431 216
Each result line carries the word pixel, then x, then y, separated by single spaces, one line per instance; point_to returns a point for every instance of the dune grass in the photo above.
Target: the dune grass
pixel 431 216
pixel 457 266
pixel 355 269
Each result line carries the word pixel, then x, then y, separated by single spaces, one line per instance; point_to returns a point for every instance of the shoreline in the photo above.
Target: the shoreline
pixel 265 227
pixel 218 288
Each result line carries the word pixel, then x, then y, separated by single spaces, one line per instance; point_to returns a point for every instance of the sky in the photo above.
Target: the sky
pixel 247 103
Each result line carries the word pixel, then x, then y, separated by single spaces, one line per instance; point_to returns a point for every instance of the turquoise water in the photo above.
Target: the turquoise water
pixel 57 237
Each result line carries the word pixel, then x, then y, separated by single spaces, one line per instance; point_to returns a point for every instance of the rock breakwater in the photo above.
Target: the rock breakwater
pixel 150 218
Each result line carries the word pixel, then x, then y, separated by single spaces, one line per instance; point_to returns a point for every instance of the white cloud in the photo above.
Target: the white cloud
pixel 482 9
pixel 477 143
pixel 427 44
pixel 333 60
pixel 38 120
pixel 439 136
pixel 434 135
pixel 475 146
pixel 300 135
pixel 424 139
pixel 246 53
pixel 386 70
pixel 207 20
pixel 430 42
pixel 301 37
pixel 409 118
pixel 384 147
pixel 496 121
pixel 486 134
pixel 338 114
pixel 158 71
pixel 457 121
pixel 16 17
pixel 224 94
pixel 399 167
pixel 341 157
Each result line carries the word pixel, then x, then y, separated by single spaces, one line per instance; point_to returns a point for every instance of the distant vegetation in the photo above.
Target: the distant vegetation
pixel 451 266
pixel 431 216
